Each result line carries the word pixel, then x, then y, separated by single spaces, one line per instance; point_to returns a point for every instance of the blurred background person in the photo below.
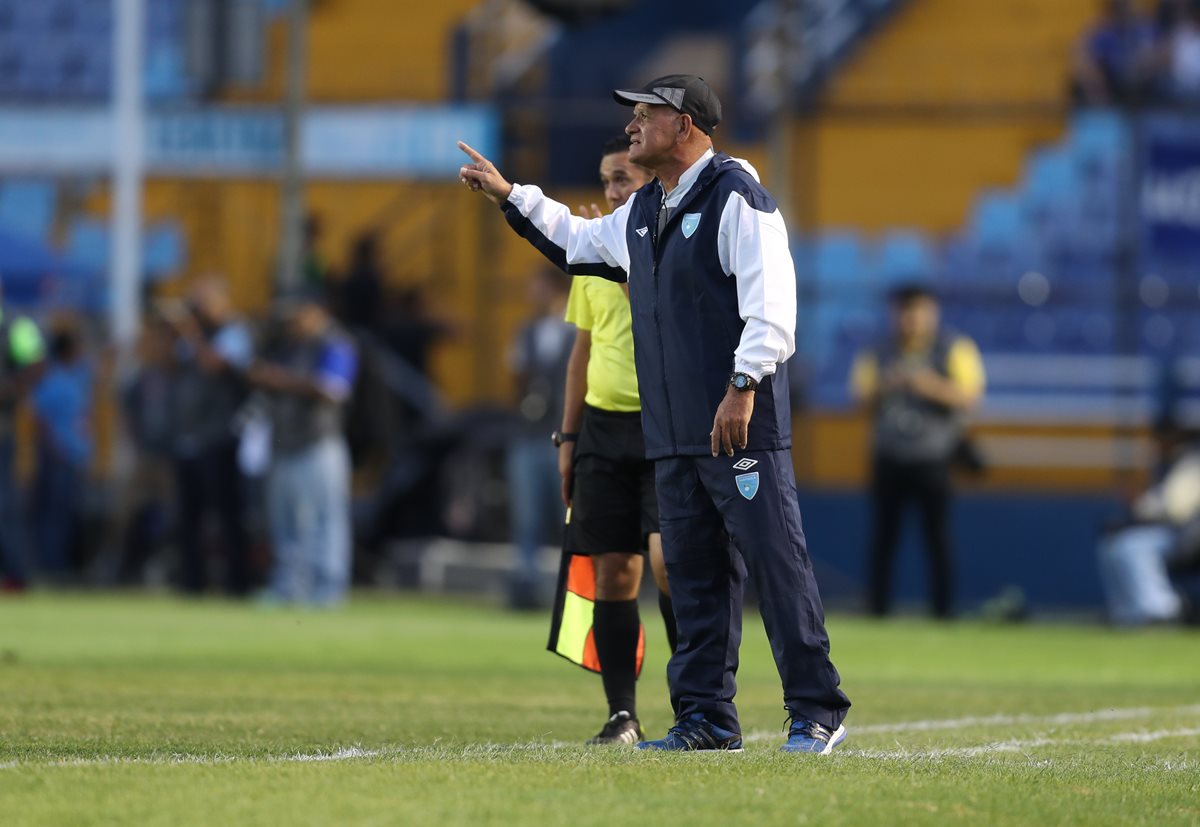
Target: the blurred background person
pixel 1161 532
pixel 1181 53
pixel 413 330
pixel 1113 62
pixel 308 376
pixel 316 269
pixel 539 359
pixel 62 406
pixel 146 409
pixel 363 286
pixel 214 349
pixel 917 384
pixel 21 364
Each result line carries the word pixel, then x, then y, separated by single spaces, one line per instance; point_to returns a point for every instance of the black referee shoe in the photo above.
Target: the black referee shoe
pixel 622 728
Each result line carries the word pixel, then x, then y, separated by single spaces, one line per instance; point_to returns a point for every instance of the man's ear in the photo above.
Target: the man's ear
pixel 685 126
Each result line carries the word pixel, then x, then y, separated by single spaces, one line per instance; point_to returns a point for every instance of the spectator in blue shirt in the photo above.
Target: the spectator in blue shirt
pixel 1114 62
pixel 308 379
pixel 62 405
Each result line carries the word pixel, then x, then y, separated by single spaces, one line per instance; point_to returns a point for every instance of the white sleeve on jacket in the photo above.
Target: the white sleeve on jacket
pixel 583 240
pixel 753 248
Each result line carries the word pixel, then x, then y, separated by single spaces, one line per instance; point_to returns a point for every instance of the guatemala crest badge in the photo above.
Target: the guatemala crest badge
pixel 747 484
pixel 691 220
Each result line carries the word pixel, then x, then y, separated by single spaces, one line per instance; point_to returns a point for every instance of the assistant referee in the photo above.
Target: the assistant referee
pixel 607 481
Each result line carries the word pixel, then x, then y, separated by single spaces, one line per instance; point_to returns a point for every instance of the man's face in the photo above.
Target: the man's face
pixel 917 319
pixel 621 178
pixel 653 133
pixel 309 321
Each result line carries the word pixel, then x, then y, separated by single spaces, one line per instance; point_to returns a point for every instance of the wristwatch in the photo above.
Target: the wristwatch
pixel 558 438
pixel 743 382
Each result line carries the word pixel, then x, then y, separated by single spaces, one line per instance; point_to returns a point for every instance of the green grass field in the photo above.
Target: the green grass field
pixel 399 710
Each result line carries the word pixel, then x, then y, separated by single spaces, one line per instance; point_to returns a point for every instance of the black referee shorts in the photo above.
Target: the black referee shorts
pixel 613 503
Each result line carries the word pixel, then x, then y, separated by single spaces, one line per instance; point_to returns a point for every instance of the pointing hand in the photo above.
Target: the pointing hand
pixel 481 175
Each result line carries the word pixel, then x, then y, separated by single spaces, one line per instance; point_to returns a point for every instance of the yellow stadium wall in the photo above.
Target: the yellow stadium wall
pixel 878 172
pixel 945 101
pixel 832 450
pixel 370 50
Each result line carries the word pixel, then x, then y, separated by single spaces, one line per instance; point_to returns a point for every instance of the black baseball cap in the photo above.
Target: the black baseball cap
pixel 688 94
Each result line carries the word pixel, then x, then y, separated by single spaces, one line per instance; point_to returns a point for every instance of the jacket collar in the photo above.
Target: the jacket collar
pixel 688 179
pixel 653 192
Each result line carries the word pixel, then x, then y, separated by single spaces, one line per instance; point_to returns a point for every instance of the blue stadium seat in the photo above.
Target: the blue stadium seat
pixel 1085 278
pixel 1159 332
pixel 88 243
pixel 163 251
pixel 1098 142
pixel 1050 181
pixel 1050 197
pixel 28 207
pixel 1000 244
pixel 840 269
pixel 997 222
pixel 34 17
pixel 61 50
pixel 94 19
pixel 1184 273
pixel 904 255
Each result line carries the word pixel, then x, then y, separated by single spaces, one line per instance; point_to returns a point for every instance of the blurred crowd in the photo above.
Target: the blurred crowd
pixel 243 437
pixel 1131 58
pixel 233 464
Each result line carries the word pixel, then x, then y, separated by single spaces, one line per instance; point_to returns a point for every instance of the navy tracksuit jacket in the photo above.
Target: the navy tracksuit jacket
pixel 713 293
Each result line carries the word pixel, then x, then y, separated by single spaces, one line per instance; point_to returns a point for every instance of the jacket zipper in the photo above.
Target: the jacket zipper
pixel 692 195
pixel 662 358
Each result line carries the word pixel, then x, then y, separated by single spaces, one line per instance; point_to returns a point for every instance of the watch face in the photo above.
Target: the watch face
pixel 739 381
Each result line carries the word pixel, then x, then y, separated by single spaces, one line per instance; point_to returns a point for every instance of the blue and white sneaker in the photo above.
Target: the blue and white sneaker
pixel 693 734
pixel 809 736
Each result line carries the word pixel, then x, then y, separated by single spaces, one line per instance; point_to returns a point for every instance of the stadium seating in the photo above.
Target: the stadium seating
pixel 61 50
pixel 1034 270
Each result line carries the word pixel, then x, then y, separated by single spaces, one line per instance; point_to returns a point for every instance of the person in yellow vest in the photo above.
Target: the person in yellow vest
pixel 918 383
pixel 607 482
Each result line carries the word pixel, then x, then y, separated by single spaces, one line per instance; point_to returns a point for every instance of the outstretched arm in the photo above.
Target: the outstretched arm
pixel 588 246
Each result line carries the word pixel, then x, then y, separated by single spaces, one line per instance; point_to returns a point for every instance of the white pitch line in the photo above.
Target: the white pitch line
pixel 344 754
pixel 1057 719
pixel 1157 735
pixel 336 755
pixel 483 750
pixel 1024 745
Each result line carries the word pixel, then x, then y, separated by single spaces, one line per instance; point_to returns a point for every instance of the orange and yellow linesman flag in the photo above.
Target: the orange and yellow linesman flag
pixel 571 633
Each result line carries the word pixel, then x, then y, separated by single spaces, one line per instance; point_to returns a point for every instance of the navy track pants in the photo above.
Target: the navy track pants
pixel 704 503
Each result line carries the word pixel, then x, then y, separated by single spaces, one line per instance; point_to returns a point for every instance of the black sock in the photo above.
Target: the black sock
pixel 616 628
pixel 668 614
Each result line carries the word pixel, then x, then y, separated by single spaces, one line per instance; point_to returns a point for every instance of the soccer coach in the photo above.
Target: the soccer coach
pixel 713 295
